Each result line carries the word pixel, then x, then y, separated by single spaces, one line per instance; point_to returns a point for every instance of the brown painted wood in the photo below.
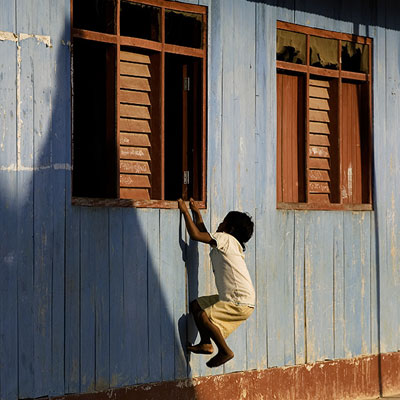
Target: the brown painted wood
pixel 321 199
pixel 186 51
pixel 137 194
pixel 134 153
pixel 134 83
pixel 134 57
pixel 134 181
pixel 135 69
pixel 319 82
pixel 185 164
pixel 94 36
pixel 134 111
pixel 134 167
pixel 134 97
pixel 134 139
pixel 140 43
pixel 174 5
pixel 319 187
pixel 319 163
pixel 318 116
pixel 329 73
pixel 318 151
pixel 318 104
pixel 318 175
pixel 134 125
pixel 287 66
pixel 319 140
pixel 319 127
pixel 320 92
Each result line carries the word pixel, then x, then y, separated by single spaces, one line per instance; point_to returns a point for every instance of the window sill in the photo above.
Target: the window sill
pixel 324 207
pixel 128 203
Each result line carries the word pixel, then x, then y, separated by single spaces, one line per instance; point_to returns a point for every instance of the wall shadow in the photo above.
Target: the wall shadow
pixel 82 304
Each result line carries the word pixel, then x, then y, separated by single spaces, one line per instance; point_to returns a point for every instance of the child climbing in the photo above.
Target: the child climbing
pixel 217 316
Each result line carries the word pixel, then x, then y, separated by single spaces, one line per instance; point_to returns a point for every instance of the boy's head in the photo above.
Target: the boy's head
pixel 239 225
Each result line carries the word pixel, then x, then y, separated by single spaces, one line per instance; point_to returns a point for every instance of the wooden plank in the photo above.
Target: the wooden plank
pixel 318 198
pixel 135 167
pixel 319 116
pixel 134 97
pixel 319 187
pixel 134 69
pixel 134 139
pixel 319 140
pixel 319 83
pixel 134 153
pixel 127 110
pixel 319 163
pixel 318 104
pixel 319 92
pixel 134 57
pixel 318 151
pixel 319 127
pixel 137 194
pixel 318 175
pixel 134 181
pixel 134 83
pixel 119 367
pixel 134 125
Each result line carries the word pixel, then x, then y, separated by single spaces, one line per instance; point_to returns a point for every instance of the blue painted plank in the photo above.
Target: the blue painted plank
pixel 119 375
pixel 72 295
pixel 8 221
pixel 7 17
pixel 167 270
pixel 135 293
pixel 33 17
pixel 60 159
pixel 298 283
pixel 91 227
pixel 319 285
pixel 43 216
pixel 154 297
pixel 339 285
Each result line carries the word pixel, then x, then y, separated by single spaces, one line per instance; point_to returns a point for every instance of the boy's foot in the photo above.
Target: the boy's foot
pixel 201 348
pixel 219 359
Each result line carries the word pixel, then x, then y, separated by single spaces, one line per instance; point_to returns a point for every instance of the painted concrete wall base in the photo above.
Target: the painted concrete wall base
pixel 357 378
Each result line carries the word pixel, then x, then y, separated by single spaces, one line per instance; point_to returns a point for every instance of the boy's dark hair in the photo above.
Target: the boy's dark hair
pixel 240 226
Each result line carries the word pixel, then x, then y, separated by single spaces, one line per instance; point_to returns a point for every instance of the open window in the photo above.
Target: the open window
pixel 324 126
pixel 139 102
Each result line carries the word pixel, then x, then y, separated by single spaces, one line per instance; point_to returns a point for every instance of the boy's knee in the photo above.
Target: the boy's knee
pixel 194 307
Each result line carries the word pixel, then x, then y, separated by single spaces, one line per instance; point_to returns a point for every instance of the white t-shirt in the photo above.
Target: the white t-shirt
pixel 232 277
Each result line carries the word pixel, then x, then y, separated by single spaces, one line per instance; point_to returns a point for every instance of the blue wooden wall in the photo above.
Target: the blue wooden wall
pixel 92 298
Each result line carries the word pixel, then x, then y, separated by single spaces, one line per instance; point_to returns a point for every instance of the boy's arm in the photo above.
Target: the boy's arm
pixel 193 230
pixel 198 218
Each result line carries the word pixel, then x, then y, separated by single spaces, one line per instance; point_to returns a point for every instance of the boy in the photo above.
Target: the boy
pixel 217 316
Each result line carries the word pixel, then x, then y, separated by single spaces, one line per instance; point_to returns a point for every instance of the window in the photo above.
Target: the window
pixel 324 126
pixel 139 102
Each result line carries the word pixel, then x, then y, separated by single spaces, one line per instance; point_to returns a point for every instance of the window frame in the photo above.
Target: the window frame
pixel 307 70
pixel 162 48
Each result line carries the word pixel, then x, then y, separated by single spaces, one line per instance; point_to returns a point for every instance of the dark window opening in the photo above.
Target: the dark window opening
pixel 94 15
pixel 183 29
pixel 94 119
pixel 141 21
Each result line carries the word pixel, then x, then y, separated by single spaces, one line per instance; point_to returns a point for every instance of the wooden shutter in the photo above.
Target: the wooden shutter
pixel 355 144
pixel 135 127
pixel 322 142
pixel 290 138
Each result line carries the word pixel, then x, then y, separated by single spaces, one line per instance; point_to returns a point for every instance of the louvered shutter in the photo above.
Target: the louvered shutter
pixel 135 127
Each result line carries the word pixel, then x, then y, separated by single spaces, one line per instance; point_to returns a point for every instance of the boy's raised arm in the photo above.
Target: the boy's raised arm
pixel 194 232
pixel 198 218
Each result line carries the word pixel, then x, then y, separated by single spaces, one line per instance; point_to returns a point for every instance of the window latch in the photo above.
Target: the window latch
pixel 186 84
pixel 186 178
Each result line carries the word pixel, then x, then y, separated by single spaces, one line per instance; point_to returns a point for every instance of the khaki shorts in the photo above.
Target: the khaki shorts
pixel 225 315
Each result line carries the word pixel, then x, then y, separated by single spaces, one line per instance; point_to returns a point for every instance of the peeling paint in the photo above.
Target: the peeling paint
pixel 16 168
pixel 14 37
pixel 8 36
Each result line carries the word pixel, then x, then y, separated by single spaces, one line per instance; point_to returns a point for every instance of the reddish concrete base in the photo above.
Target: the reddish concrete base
pixel 358 378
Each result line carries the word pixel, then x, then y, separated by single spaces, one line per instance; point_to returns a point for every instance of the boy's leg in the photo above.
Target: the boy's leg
pixel 209 331
pixel 205 346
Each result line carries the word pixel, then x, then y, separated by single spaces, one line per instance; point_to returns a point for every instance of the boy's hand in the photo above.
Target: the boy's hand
pixel 182 206
pixel 193 206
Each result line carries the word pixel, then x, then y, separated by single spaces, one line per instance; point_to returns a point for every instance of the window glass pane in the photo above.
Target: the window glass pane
pixel 291 47
pixel 140 21
pixel 183 29
pixel 324 52
pixel 94 173
pixel 95 15
pixel 355 57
